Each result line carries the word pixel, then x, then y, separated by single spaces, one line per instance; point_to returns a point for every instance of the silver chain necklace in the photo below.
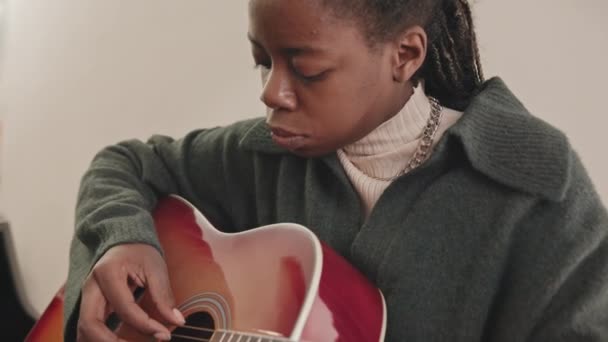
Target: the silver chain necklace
pixel 425 144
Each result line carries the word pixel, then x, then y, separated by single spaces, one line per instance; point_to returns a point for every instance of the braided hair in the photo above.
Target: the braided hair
pixel 452 69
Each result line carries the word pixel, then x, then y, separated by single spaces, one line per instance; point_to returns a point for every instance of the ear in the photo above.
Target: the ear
pixel 409 53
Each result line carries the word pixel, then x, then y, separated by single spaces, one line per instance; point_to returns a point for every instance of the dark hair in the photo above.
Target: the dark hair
pixel 452 68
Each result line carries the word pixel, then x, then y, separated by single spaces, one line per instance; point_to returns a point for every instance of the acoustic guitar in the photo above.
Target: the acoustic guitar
pixel 272 283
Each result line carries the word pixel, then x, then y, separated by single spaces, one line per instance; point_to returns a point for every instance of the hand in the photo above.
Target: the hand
pixel 110 287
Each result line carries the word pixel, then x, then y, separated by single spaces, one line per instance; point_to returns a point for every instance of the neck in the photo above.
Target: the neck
pixel 372 162
pixel 402 97
pixel 402 128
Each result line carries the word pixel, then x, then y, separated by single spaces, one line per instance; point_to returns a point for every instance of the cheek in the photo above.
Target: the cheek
pixel 338 117
pixel 352 111
pixel 341 90
pixel 348 99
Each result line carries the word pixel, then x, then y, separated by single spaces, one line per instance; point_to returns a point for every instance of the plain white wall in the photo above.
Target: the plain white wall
pixel 79 75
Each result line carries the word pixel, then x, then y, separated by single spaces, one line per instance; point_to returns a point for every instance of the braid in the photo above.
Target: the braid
pixel 452 69
pixel 473 41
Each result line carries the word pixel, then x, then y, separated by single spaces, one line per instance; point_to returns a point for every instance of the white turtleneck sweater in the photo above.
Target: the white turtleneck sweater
pixel 386 151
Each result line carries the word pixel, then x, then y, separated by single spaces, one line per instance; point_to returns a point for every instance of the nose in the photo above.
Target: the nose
pixel 277 93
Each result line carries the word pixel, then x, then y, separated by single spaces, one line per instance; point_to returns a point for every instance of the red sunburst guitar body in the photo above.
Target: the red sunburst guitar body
pixel 273 283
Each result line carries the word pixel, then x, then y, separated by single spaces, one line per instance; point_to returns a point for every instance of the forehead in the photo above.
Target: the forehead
pixel 295 22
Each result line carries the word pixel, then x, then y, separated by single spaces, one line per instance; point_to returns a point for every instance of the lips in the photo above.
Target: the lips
pixel 287 139
pixel 284 133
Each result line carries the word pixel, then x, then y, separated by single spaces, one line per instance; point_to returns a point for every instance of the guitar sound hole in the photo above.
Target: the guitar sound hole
pixel 199 325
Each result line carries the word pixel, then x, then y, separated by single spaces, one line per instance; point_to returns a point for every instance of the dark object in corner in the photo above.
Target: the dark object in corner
pixel 15 319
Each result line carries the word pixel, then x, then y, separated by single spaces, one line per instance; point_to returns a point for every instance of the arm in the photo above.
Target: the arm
pixel 124 181
pixel 557 285
pixel 121 187
pixel 576 288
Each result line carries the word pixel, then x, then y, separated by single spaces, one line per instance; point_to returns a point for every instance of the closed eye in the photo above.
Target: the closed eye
pixel 313 77
pixel 261 65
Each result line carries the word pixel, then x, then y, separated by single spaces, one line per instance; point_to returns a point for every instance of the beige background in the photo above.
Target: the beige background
pixel 78 75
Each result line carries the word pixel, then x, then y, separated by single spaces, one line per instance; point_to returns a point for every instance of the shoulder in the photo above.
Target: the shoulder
pixel 234 133
pixel 504 141
pixel 240 135
pixel 251 135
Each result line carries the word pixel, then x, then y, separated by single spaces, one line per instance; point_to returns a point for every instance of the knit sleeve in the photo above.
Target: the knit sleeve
pixel 576 283
pixel 122 186
pixel 556 287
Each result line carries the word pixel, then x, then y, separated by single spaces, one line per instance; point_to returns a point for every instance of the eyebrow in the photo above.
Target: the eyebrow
pixel 292 50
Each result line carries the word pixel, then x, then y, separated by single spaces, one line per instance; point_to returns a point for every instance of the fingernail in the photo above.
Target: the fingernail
pixel 163 336
pixel 179 316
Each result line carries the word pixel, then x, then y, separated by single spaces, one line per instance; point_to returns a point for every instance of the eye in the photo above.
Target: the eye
pixel 261 60
pixel 311 77
pixel 309 70
pixel 262 65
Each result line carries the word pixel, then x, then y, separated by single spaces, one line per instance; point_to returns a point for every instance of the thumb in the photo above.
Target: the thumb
pixel 160 292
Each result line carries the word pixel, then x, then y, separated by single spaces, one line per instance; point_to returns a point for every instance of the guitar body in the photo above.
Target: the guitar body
pixel 273 283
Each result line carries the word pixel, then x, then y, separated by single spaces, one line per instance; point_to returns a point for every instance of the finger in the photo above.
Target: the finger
pixel 135 279
pixel 91 323
pixel 117 293
pixel 161 294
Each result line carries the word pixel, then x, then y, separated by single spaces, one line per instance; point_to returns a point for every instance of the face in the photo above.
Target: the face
pixel 323 85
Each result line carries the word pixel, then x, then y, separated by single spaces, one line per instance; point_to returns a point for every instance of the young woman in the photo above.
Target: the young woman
pixel 475 219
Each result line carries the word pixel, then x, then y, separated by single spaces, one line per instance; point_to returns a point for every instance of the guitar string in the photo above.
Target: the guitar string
pixel 202 339
pixel 193 338
pixel 208 330
pixel 190 338
pixel 206 340
pixel 197 328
